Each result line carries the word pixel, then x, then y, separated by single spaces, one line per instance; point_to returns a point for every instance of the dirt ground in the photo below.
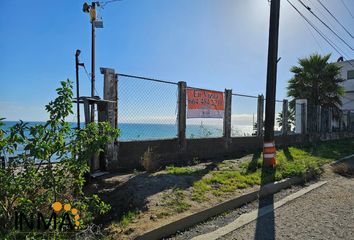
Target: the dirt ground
pixel 155 198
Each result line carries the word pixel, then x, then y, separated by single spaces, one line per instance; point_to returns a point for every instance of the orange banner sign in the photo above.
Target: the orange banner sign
pixel 205 103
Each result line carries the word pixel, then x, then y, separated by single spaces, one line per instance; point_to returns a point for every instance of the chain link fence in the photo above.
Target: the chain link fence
pixel 278 118
pixel 243 115
pixel 147 108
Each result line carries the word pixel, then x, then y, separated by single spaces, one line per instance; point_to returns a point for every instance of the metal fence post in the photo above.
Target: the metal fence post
pixel 182 100
pixel 303 119
pixel 227 115
pixel 285 117
pixel 260 112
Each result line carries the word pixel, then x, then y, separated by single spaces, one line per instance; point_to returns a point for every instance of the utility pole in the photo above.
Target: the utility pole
pixel 93 56
pixel 94 24
pixel 268 141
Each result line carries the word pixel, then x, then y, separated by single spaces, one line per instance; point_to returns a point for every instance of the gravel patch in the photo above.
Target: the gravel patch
pixel 325 213
pixel 226 218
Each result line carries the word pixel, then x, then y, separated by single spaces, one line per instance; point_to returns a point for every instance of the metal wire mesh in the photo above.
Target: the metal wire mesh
pixel 278 118
pixel 244 115
pixel 146 109
pixel 203 127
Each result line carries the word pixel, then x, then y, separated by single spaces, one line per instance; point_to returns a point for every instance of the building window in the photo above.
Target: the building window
pixel 350 74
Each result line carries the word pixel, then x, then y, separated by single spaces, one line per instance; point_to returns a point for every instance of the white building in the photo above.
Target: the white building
pixel 347 73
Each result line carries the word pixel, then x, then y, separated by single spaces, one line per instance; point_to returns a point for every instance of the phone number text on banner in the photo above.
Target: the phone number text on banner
pixel 205 103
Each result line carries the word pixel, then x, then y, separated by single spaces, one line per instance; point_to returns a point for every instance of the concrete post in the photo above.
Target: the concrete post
pixel 87 112
pixel 182 101
pixel 227 116
pixel 300 116
pixel 102 110
pixel 285 117
pixel 303 119
pixel 110 92
pixel 260 112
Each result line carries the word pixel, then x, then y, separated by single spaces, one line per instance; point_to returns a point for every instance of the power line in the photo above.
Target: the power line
pixel 345 5
pixel 313 36
pixel 345 29
pixel 333 45
pixel 103 4
pixel 309 9
pixel 89 78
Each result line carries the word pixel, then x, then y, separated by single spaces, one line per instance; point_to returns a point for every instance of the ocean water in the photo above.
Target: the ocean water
pixel 148 131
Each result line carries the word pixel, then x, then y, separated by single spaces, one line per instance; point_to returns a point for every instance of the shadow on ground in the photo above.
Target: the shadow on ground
pixel 265 225
pixel 131 192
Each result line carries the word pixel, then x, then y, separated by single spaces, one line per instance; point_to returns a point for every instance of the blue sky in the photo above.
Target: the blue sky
pixel 213 44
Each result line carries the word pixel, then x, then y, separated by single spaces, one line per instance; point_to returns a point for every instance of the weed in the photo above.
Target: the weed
pixel 128 217
pixel 291 161
pixel 180 170
pixel 176 201
pixel 149 160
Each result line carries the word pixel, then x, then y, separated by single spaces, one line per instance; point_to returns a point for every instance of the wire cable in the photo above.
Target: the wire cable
pixel 313 36
pixel 336 19
pixel 89 78
pixel 345 5
pixel 332 44
pixel 309 9
pixel 103 4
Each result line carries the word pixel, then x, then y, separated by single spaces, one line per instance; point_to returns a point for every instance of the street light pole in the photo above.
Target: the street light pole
pixel 77 54
pixel 269 144
pixel 77 65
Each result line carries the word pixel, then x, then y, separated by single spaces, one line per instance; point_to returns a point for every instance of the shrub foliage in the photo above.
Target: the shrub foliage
pixel 52 165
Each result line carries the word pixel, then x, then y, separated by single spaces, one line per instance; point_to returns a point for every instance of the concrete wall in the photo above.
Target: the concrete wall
pixel 167 152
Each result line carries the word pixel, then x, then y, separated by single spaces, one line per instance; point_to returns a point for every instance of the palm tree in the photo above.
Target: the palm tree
pixel 318 81
pixel 291 119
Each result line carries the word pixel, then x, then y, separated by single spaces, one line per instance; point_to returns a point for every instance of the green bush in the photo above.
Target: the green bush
pixel 53 164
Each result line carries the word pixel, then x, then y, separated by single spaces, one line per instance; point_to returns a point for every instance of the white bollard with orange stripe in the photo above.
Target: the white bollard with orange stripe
pixel 269 153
